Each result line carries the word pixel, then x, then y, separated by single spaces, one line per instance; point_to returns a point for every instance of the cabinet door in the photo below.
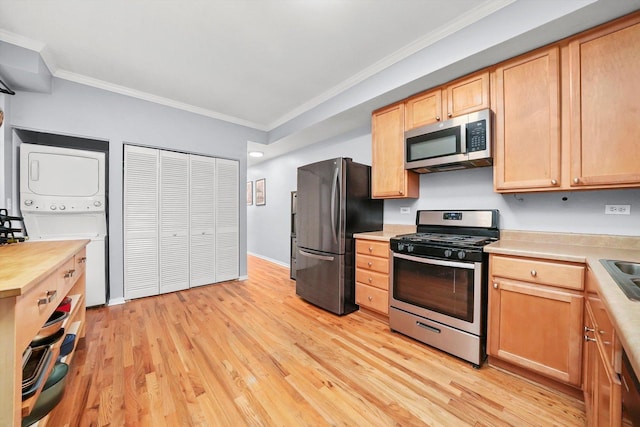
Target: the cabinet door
pixel 604 101
pixel 202 213
pixel 527 122
pixel 607 392
pixel 174 221
pixel 140 219
pixel 389 178
pixel 536 327
pixel 423 109
pixel 467 95
pixel 590 366
pixel 227 223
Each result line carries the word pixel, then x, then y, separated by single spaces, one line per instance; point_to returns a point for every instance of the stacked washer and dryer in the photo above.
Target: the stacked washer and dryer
pixel 62 197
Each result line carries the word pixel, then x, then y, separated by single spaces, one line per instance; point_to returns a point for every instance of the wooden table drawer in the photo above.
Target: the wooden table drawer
pixel 365 262
pixel 564 275
pixel 372 247
pixel 372 298
pixel 372 278
pixel 34 308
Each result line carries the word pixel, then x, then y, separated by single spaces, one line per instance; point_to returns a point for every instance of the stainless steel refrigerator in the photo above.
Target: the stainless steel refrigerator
pixel 334 201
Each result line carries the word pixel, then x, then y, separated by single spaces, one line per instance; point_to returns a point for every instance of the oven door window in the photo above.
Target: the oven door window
pixel 443 289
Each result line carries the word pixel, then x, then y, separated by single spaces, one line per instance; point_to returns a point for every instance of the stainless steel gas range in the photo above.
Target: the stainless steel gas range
pixel 438 289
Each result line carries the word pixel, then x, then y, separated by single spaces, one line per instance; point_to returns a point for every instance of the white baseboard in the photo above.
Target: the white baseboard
pixel 275 261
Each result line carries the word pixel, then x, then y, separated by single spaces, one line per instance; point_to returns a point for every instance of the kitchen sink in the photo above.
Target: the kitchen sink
pixel 626 275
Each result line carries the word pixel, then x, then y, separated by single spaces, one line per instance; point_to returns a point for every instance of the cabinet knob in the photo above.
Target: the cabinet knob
pixel 82 260
pixel 370 249
pixel 587 339
pixel 534 273
pixel 588 329
pixel 495 286
pixel 576 180
pixel 449 115
pixel 370 298
pixel 554 182
pixel 369 264
pixel 438 118
pixel 370 280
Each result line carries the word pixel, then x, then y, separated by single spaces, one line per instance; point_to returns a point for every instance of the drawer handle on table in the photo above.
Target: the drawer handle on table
pixel 534 273
pixel 69 273
pixel 82 260
pixel 50 297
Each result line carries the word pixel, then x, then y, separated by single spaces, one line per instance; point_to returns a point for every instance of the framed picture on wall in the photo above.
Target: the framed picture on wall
pixel 249 193
pixel 261 192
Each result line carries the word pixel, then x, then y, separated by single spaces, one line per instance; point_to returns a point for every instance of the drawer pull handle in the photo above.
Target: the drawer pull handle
pixel 587 339
pixel 51 295
pixel 69 273
pixel 588 329
pixel 82 260
pixel 370 280
pixel 370 249
pixel 370 298
pixel 495 286
pixel 534 273
pixel 369 264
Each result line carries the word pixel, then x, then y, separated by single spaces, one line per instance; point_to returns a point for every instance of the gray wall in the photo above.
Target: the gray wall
pixel 78 110
pixel 581 212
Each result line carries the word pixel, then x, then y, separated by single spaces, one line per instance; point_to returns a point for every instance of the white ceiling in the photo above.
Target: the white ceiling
pixel 283 66
pixel 253 62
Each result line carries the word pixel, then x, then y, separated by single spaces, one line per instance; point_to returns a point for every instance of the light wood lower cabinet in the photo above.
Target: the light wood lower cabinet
pixel 536 316
pixel 36 276
pixel 602 356
pixel 372 275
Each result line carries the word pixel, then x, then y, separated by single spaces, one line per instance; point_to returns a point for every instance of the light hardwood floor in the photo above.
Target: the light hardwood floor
pixel 253 353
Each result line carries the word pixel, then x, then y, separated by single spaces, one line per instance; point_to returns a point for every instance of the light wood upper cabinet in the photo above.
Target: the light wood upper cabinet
pixel 389 178
pixel 527 122
pixel 423 109
pixel 461 96
pixel 467 95
pixel 604 98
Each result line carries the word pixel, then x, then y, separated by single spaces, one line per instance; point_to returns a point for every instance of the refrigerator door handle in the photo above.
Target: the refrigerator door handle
pixel 321 257
pixel 334 189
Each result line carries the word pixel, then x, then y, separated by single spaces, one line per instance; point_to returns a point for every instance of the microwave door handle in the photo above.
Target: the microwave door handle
pixel 34 170
pixel 463 138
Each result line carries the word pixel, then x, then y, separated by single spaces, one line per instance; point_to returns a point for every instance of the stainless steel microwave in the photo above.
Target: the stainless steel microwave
pixel 460 143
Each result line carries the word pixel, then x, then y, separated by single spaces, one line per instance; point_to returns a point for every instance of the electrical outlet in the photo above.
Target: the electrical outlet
pixel 617 209
pixel 405 210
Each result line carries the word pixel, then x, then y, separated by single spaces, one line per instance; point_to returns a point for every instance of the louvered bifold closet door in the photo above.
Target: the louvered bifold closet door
pixel 227 222
pixel 140 222
pixel 174 221
pixel 202 216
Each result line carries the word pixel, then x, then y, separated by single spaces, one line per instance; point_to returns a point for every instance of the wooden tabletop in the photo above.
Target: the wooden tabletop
pixel 23 265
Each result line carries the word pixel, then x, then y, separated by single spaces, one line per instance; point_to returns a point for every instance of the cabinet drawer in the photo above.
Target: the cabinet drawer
pixel 67 275
pixel 564 275
pixel 365 262
pixel 372 278
pixel 371 247
pixel 80 261
pixel 372 298
pixel 34 308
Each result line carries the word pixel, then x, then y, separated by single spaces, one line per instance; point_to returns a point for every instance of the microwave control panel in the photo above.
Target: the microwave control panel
pixel 477 136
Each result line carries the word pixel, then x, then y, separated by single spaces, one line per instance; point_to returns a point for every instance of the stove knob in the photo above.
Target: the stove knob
pixel 462 254
pixel 448 253
pixel 409 248
pixel 400 246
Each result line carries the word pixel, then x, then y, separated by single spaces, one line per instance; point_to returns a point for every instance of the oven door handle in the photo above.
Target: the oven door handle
pixel 426 260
